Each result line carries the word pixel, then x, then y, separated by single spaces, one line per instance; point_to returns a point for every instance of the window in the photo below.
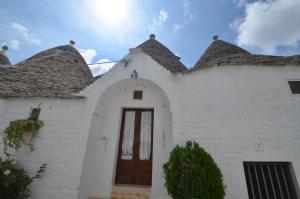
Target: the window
pixel 294 86
pixel 137 94
pixel 269 180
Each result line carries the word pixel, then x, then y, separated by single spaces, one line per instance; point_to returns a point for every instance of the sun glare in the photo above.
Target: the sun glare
pixel 116 20
pixel 112 12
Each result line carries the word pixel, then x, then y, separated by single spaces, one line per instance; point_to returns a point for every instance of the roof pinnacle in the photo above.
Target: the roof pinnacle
pixel 215 37
pixel 152 36
pixel 4 49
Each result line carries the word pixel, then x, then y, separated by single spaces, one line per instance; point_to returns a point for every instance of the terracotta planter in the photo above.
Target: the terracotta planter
pixel 28 127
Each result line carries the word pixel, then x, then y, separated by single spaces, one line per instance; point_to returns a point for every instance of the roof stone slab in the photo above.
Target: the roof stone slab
pixel 162 55
pixel 4 60
pixel 221 53
pixel 56 72
pixel 62 72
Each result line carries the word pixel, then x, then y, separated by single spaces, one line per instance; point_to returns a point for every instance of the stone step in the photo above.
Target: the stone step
pixel 130 192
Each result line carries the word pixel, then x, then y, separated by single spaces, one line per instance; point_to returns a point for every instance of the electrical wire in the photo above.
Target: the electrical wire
pixel 106 62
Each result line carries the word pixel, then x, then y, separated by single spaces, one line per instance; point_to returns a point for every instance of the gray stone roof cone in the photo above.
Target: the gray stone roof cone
pixel 162 55
pixel 221 53
pixel 59 71
pixel 62 71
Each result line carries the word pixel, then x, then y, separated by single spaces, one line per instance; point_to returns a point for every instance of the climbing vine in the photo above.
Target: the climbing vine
pixel 14 133
pixel 14 180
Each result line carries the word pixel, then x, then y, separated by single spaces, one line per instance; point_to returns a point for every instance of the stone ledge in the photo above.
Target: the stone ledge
pixel 130 192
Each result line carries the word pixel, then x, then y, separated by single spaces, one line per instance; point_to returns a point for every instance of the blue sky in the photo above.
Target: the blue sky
pixel 105 29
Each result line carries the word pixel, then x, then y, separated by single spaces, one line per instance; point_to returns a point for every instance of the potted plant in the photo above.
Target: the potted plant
pixel 13 134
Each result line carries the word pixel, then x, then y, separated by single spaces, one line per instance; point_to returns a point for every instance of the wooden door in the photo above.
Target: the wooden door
pixel 134 165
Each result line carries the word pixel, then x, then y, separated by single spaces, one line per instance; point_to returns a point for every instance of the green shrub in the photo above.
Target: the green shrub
pixel 191 173
pixel 14 180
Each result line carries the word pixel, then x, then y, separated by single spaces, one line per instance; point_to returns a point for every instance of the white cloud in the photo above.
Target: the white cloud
pixel 88 55
pixel 186 10
pixel 13 44
pixel 240 3
pixel 101 66
pixel 163 16
pixel 25 33
pixel 236 23
pixel 269 24
pixel 187 14
pixel 177 27
pixel 158 21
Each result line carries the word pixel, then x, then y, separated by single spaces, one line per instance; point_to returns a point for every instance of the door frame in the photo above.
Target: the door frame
pixel 121 135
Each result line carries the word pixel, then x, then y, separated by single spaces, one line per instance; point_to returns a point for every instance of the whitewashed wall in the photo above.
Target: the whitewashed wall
pixel 113 92
pixel 228 110
pixel 60 144
pixel 99 171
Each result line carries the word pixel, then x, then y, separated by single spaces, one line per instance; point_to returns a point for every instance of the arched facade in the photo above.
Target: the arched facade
pixel 99 168
pixel 238 106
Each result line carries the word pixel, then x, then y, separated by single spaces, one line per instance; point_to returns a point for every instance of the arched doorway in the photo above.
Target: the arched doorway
pixel 110 159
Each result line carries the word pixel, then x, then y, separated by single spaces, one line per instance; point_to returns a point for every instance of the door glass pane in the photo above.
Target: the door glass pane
pixel 128 136
pixel 145 135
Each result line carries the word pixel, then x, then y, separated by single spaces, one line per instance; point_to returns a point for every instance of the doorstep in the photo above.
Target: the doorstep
pixel 130 192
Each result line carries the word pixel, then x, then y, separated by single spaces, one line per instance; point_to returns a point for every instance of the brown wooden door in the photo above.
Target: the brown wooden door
pixel 134 165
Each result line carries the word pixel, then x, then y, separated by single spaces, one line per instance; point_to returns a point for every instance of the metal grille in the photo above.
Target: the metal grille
pixel 269 180
pixel 137 94
pixel 294 86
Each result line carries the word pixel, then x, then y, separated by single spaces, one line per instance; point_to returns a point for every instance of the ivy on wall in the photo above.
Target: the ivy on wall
pixel 14 133
pixel 14 180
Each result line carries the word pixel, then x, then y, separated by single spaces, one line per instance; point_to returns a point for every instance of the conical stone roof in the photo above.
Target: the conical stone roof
pixel 217 50
pixel 221 53
pixel 162 55
pixel 57 72
pixel 4 60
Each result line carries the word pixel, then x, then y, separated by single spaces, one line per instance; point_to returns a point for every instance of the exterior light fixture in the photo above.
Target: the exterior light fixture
pixel 134 74
pixel 126 61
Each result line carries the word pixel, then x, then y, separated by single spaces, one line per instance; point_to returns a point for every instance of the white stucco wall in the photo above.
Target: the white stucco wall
pixel 113 92
pixel 99 171
pixel 60 144
pixel 228 110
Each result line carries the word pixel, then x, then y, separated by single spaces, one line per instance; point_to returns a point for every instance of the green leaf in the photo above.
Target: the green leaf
pixel 191 173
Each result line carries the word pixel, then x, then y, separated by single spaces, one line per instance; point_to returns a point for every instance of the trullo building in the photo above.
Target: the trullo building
pixel 102 133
